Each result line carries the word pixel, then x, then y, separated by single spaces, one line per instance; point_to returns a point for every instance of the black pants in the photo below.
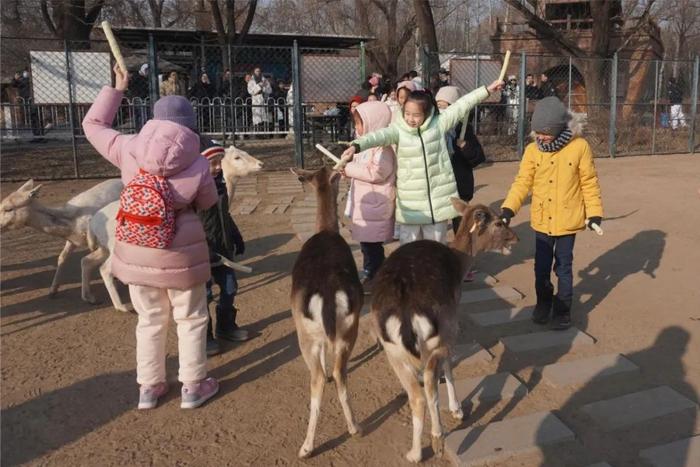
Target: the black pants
pixel 373 257
pixel 559 250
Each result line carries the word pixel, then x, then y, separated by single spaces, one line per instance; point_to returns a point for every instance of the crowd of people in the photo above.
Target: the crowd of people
pixel 406 163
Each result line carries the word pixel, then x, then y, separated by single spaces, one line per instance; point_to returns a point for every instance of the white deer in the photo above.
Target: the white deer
pixel 70 221
pixel 236 164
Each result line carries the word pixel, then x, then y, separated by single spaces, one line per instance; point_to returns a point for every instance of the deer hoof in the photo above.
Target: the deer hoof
pixel 53 293
pixel 356 431
pixel 438 443
pixel 305 452
pixel 414 456
pixel 90 298
pixel 457 414
pixel 125 308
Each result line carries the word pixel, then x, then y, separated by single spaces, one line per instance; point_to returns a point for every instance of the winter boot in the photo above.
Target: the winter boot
pixel 544 303
pixel 561 314
pixel 226 327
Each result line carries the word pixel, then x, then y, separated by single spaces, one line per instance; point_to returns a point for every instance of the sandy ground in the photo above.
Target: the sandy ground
pixel 68 381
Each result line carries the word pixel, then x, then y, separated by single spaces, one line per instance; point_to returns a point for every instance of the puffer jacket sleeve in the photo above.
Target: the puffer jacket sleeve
pixel 384 137
pixel 97 125
pixel 460 109
pixel 590 188
pixel 206 194
pixel 379 168
pixel 523 183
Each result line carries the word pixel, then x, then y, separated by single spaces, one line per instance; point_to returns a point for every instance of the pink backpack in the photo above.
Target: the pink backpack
pixel 146 214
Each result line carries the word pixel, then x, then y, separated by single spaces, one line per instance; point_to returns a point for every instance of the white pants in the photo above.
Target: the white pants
pixel 677 116
pixel 411 232
pixel 154 307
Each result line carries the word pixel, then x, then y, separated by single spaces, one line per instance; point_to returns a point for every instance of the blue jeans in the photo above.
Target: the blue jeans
pixel 559 250
pixel 225 278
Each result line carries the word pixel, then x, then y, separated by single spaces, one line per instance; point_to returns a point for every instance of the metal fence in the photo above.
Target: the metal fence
pixel 302 97
pixel 631 106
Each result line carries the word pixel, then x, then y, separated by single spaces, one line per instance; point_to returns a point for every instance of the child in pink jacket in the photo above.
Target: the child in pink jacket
pixel 373 189
pixel 163 281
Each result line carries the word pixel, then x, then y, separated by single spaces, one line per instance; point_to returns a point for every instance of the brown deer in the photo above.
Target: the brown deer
pixel 414 310
pixel 326 300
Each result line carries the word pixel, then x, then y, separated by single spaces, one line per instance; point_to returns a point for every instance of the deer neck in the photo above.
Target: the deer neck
pixel 53 221
pixel 327 210
pixel 463 247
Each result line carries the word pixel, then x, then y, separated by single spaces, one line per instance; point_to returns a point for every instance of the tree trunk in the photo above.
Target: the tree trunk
pixel 431 57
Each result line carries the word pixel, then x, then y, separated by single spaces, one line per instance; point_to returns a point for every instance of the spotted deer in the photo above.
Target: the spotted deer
pixel 326 300
pixel 414 311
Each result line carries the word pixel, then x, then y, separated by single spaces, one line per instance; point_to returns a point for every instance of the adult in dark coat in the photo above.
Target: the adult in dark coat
pixel 467 155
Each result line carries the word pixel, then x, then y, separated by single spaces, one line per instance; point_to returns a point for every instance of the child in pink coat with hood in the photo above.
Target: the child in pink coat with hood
pixel 171 280
pixel 372 190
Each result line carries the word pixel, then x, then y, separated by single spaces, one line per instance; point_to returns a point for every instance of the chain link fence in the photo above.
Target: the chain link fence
pixel 278 102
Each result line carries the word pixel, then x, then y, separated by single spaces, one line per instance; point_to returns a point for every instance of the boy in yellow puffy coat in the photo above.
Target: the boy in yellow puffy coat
pixel 558 168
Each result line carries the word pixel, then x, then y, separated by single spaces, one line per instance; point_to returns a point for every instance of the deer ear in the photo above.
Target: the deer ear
pixel 33 192
pixel 460 205
pixel 28 185
pixel 304 176
pixel 334 178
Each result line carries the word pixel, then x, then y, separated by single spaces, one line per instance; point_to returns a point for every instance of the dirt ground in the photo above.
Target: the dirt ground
pixel 68 381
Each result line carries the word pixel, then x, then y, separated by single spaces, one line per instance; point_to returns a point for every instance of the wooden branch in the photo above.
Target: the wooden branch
pixel 382 6
pixel 47 18
pixel 407 34
pixel 545 29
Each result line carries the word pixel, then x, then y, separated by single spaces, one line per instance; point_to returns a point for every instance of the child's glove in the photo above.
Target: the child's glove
pixel 506 215
pixel 597 220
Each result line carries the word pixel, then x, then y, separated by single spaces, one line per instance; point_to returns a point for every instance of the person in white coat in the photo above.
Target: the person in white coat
pixel 259 88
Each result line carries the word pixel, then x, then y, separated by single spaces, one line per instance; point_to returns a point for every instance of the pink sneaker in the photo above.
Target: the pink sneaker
pixel 469 276
pixel 149 395
pixel 196 394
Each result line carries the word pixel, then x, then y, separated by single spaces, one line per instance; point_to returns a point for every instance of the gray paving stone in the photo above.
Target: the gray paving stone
pixel 468 354
pixel 587 369
pixel 629 409
pixel 506 315
pixel 504 439
pixel 542 340
pixel 682 453
pixel 502 292
pixel 600 464
pixel 484 388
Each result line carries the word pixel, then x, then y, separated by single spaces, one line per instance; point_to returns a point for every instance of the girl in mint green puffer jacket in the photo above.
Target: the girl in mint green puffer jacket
pixel 424 179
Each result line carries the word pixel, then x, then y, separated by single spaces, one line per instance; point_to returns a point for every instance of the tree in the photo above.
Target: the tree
pixel 384 52
pixel 71 20
pixel 683 20
pixel 595 72
pixel 431 52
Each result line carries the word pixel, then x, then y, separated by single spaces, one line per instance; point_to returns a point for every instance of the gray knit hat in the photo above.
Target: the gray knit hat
pixel 175 109
pixel 550 117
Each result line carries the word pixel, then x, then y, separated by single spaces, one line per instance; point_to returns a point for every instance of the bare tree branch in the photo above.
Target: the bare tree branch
pixel 643 19
pixel 47 18
pixel 252 5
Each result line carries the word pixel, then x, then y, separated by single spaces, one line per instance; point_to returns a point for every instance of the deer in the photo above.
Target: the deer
pixel 102 227
pixel 70 221
pixel 414 312
pixel 326 299
pixel 236 164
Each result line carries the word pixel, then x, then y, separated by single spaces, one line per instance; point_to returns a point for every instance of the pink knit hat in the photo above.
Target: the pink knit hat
pixel 409 84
